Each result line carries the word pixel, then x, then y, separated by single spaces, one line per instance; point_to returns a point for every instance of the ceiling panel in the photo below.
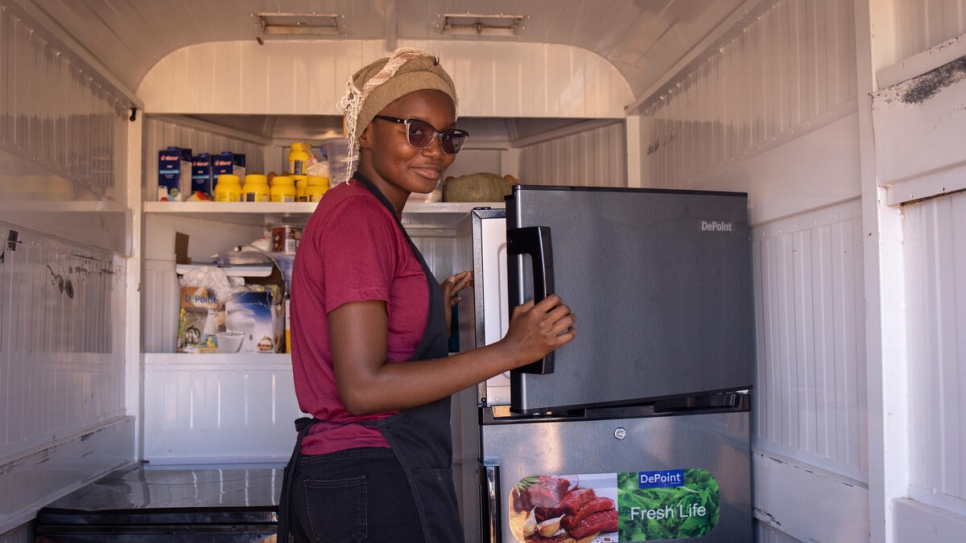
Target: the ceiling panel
pixel 642 38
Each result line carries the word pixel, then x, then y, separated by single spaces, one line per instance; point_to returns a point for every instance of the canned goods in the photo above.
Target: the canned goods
pixel 285 238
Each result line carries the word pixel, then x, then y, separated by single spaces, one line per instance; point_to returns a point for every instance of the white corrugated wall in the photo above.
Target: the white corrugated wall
pixel 492 79
pixel 922 24
pixel 62 301
pixel 935 267
pixel 592 158
pixel 790 71
pixel 811 386
pixel 772 111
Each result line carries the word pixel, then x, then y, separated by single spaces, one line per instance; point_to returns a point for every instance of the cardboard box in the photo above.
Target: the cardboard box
pixel 174 174
pixel 201 178
pixel 228 163
pixel 255 317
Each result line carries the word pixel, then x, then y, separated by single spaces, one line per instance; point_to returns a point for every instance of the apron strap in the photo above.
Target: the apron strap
pixel 302 426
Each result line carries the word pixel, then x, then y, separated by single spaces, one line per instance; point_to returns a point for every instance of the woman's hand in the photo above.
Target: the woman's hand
pixel 537 329
pixel 451 286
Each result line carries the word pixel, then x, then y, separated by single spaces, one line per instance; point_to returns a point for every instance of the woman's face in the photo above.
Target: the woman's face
pixel 390 162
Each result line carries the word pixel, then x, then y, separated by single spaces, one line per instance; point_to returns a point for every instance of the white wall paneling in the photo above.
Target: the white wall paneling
pixel 61 367
pixel 595 157
pixel 493 79
pixel 42 475
pixel 810 387
pixel 935 268
pixel 791 70
pixel 922 24
pixel 766 534
pixel 798 501
pixel 57 113
pixel 919 133
pixel 211 408
pixel 61 355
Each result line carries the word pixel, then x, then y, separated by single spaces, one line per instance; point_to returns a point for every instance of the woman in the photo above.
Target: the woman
pixel 369 327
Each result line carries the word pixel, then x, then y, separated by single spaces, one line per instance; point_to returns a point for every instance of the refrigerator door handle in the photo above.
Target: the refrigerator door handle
pixel 533 241
pixel 491 514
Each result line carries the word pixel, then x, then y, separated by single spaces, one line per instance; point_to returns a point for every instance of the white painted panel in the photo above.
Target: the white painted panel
pixel 218 408
pixel 492 79
pixel 58 114
pixel 919 523
pixel 39 476
pixel 921 24
pixel 808 504
pixel 919 136
pixel 811 378
pixel 935 268
pixel 767 534
pixel 161 295
pixel 592 158
pixel 791 71
pixel 61 353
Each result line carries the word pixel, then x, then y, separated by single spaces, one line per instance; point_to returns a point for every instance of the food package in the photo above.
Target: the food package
pixel 202 319
pixel 477 187
pixel 254 322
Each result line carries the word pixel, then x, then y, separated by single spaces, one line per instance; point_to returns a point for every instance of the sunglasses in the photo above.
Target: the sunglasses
pixel 421 134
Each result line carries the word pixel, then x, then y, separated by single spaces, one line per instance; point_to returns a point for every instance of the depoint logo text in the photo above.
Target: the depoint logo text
pixel 717 226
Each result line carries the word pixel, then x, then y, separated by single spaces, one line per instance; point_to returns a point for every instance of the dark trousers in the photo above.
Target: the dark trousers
pixel 353 495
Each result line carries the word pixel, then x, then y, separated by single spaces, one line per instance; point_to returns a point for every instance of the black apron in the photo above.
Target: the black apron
pixel 420 437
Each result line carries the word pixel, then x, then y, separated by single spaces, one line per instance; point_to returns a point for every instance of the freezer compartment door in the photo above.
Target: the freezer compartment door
pixel 685 477
pixel 661 284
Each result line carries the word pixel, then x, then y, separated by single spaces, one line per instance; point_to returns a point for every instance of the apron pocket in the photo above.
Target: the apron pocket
pixel 343 517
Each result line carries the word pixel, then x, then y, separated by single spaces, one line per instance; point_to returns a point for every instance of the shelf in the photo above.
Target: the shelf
pixel 82 206
pixel 217 361
pixel 441 215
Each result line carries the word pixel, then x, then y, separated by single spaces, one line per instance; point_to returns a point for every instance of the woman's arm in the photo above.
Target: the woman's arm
pixel 368 384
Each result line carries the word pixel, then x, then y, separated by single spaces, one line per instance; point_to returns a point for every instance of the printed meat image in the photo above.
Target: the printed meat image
pixel 547 509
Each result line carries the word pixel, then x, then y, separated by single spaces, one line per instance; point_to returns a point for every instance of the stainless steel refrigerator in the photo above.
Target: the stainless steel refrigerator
pixel 639 429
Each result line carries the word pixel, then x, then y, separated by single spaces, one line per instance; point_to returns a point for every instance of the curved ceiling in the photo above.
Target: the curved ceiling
pixel 643 39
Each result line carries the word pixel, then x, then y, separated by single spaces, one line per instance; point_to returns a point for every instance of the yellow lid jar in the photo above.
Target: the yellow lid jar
pixel 298 158
pixel 255 188
pixel 301 182
pixel 283 189
pixel 228 188
pixel 316 186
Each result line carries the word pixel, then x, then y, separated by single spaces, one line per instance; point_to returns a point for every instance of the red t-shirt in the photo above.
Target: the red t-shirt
pixel 351 250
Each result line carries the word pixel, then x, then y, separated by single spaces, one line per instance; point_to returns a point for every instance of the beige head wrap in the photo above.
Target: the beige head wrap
pixel 377 85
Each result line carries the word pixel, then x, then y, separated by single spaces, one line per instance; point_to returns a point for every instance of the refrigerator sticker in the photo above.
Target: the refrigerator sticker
pixel 614 507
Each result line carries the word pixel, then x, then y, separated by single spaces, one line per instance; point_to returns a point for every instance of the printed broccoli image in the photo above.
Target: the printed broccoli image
pixel 687 510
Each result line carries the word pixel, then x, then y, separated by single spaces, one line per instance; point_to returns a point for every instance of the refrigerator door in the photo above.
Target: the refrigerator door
pixel 483 313
pixel 661 284
pixel 683 477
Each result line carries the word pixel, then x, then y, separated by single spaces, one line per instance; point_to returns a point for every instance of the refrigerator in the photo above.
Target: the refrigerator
pixel 638 430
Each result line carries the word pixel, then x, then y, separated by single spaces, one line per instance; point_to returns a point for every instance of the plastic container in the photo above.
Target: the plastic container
pixel 255 188
pixel 228 188
pixel 283 189
pixel 298 158
pixel 339 165
pixel 315 188
pixel 301 182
